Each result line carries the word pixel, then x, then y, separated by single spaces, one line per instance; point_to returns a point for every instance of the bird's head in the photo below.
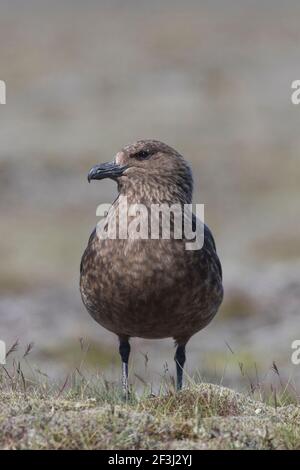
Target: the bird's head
pixel 148 166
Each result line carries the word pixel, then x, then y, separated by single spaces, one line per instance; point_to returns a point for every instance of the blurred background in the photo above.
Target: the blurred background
pixel 210 78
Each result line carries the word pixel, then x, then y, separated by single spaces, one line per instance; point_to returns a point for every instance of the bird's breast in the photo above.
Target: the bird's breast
pixel 146 288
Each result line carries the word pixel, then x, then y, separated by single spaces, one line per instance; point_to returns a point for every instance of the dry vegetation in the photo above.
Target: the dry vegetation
pixel 211 79
pixel 90 413
pixel 207 417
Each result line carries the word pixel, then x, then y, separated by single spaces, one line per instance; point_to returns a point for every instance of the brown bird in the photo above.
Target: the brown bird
pixel 150 288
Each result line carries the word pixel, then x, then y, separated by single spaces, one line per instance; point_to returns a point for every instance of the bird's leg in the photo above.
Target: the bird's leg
pixel 180 360
pixel 124 350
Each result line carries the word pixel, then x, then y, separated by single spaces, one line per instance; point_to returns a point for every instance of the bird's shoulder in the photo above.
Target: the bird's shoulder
pixel 209 245
pixel 92 236
pixel 88 248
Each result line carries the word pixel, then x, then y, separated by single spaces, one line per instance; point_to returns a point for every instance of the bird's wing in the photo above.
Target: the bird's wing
pixel 209 244
pixel 209 239
pixel 91 239
pixel 92 236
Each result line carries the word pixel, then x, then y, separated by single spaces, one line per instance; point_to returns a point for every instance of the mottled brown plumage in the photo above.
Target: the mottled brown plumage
pixel 150 288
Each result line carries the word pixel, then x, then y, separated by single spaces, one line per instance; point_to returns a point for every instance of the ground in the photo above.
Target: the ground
pixel 203 416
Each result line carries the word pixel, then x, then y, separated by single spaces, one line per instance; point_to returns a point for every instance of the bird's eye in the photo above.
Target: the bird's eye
pixel 142 155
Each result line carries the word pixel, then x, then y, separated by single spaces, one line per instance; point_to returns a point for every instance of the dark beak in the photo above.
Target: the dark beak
pixel 106 170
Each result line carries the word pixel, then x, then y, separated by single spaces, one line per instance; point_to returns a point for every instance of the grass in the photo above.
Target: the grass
pixel 90 413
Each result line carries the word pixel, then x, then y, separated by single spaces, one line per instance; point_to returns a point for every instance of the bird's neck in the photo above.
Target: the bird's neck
pixel 151 192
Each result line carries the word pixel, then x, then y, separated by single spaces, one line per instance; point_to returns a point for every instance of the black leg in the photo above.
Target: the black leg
pixel 180 360
pixel 124 350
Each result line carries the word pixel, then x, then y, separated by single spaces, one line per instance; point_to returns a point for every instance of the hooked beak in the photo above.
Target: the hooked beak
pixel 106 170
